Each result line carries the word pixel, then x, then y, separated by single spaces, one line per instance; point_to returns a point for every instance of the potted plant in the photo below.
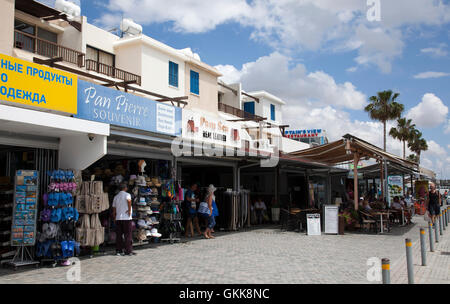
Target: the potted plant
pixel 350 219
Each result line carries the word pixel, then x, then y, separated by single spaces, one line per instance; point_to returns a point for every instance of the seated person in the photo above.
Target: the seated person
pixel 396 205
pixel 366 207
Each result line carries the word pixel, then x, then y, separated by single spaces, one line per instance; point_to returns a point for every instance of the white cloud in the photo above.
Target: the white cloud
pixel 447 128
pixel 286 25
pixel 436 51
pixel 352 69
pixel 273 73
pixel 426 75
pixel 437 159
pixel 429 113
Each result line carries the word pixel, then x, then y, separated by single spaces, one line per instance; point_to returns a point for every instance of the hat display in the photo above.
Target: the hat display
pixel 154 233
pixel 142 235
pixel 142 223
pixel 142 202
pixel 140 181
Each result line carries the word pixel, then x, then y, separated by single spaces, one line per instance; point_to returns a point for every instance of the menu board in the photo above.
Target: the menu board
pixel 23 230
pixel 313 223
pixel 331 219
pixel 395 187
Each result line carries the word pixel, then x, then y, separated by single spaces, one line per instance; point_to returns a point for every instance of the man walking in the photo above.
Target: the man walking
pixel 122 214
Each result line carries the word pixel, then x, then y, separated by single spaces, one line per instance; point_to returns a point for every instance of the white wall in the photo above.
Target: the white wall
pixel 98 38
pixel 7 28
pixel 155 73
pixel 79 152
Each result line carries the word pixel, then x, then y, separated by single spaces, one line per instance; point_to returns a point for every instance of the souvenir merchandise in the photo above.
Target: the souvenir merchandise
pixel 91 202
pixel 58 218
pixel 25 204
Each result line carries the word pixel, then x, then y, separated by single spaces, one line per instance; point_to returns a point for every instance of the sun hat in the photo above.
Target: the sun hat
pixel 142 223
pixel 155 233
pixel 142 201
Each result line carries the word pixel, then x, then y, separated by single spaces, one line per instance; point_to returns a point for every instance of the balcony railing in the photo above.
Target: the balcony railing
pixel 238 112
pixel 92 65
pixel 46 48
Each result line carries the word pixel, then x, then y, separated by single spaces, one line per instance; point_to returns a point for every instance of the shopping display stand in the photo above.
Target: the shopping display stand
pixel 23 229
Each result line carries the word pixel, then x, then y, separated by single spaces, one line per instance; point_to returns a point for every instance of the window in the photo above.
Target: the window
pixel 195 87
pixel 249 107
pixel 100 56
pixel 173 74
pixel 35 39
pixel 101 61
pixel 272 112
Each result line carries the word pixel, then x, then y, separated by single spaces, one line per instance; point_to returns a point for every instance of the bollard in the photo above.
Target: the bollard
pixel 386 271
pixel 409 261
pixel 440 224
pixel 423 247
pixel 430 230
pixel 436 230
pixel 444 216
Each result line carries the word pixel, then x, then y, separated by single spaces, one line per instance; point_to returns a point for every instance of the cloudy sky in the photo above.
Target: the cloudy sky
pixel 325 58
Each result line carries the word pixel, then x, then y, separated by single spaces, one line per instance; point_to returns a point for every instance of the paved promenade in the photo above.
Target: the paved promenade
pixel 264 255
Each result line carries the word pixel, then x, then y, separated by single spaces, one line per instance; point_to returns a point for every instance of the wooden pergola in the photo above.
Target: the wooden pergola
pixel 353 149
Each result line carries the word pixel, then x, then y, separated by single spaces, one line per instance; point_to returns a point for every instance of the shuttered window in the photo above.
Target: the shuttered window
pixel 173 74
pixel 195 87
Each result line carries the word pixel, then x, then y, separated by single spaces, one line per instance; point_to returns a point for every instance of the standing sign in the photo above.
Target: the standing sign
pixel 395 187
pixel 331 219
pixel 23 230
pixel 35 85
pixel 98 103
pixel 313 223
pixel 210 129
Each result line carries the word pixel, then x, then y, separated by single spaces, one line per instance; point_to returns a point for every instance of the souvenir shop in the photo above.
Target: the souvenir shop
pixel 37 215
pixel 156 198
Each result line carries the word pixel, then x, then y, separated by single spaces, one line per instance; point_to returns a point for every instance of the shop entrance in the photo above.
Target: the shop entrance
pixel 13 158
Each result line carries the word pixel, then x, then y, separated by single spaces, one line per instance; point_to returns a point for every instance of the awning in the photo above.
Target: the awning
pixel 344 149
pixel 40 10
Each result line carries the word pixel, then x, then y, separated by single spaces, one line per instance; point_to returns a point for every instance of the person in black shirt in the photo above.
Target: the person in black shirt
pixel 190 205
pixel 433 202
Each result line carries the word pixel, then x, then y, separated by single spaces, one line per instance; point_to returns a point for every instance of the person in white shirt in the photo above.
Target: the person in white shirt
pixel 260 209
pixel 122 215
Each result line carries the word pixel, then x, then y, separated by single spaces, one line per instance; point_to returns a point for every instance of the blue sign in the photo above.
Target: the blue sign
pixel 114 107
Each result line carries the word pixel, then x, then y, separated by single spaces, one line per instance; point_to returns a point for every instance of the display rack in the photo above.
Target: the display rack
pixel 23 229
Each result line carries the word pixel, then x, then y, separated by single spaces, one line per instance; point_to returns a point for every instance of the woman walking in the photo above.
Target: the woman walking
pixel 207 211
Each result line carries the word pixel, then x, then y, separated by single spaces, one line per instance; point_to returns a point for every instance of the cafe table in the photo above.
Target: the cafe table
pixel 382 214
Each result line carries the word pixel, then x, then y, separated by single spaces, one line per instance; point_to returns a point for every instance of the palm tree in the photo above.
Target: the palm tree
pixel 383 108
pixel 413 158
pixel 417 144
pixel 404 132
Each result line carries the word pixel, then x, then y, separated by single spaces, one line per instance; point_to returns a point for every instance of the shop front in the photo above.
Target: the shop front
pixel 37 137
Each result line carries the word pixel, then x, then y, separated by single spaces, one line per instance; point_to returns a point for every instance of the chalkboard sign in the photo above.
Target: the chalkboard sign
pixel 331 219
pixel 313 223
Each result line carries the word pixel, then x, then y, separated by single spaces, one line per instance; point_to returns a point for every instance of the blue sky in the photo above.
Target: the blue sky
pixel 323 57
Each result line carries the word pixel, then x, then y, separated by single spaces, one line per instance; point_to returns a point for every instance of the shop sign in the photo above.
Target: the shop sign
pixel 209 129
pixel 303 133
pixel 106 105
pixel 395 186
pixel 313 224
pixel 35 85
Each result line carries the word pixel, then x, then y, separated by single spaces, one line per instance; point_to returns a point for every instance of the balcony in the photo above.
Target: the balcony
pixel 238 112
pixel 45 48
pixel 92 65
